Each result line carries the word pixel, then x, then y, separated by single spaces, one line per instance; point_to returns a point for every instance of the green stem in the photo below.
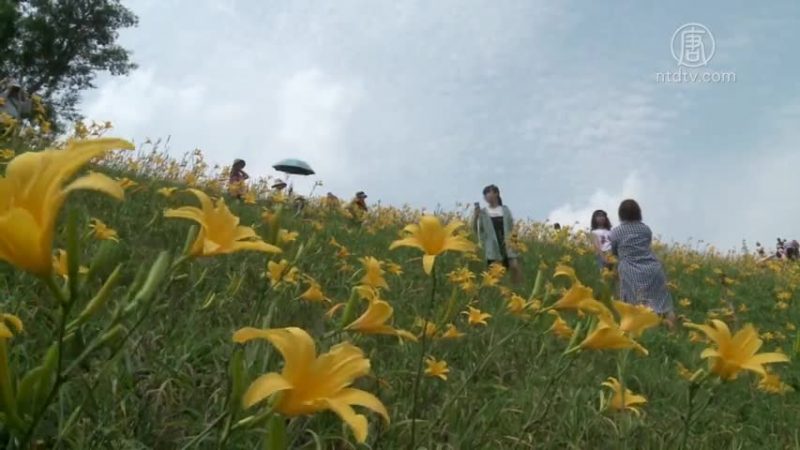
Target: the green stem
pixel 60 378
pixel 7 390
pixel 423 349
pixel 687 419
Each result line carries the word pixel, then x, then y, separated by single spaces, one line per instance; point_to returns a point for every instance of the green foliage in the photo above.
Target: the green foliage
pixel 55 48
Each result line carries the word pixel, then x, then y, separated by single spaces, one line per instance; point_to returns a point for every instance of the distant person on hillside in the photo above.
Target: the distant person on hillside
pixel 360 201
pixel 493 225
pixel 557 226
pixel 236 182
pixel 601 232
pixel 793 250
pixel 641 275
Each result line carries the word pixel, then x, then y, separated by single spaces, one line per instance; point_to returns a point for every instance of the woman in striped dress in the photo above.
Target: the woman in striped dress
pixel 641 276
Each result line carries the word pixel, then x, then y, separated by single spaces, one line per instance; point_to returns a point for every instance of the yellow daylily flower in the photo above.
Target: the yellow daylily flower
pixel 101 231
pixel 33 191
pixel 220 232
pixel 6 332
pixel 167 191
pixel 311 383
pixel 433 239
pixel 608 337
pixel 7 153
pixel 374 319
pixel 278 272
pixel 618 402
pixel 635 319
pixel 61 266
pixel 573 297
pixel 436 368
pixel 373 273
pixel 451 332
pixel 314 294
pixel 772 383
pixel 394 268
pixel 733 354
pixel 475 316
pixel 566 271
pixel 427 328
pixel 126 183
pixel 286 236
pixel 560 327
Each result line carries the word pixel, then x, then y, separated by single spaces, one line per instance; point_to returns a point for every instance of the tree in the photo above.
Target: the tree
pixel 55 48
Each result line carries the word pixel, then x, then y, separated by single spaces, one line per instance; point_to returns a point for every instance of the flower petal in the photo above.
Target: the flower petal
pixel 361 398
pixel 264 386
pixel 96 181
pixel 356 422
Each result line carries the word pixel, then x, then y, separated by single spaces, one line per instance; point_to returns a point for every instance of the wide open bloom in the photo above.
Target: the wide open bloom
pixel 433 239
pixel 220 232
pixel 309 383
pixel 31 195
pixel 735 353
pixel 475 316
pixel 374 319
pixel 436 368
pixel 618 402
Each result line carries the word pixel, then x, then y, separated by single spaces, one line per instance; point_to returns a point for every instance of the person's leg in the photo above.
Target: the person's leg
pixel 516 271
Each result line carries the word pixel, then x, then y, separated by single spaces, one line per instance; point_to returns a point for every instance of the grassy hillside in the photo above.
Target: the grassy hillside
pixel 152 368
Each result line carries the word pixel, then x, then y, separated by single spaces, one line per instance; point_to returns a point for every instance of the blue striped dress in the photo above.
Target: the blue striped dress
pixel 641 276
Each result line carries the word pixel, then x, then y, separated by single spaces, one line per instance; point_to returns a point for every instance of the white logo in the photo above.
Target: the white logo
pixel 693 45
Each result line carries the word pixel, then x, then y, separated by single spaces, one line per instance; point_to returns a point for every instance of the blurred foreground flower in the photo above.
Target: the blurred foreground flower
pixel 618 402
pixel 735 353
pixel 308 383
pixel 32 193
pixel 6 332
pixel 220 232
pixel 560 327
pixel 433 239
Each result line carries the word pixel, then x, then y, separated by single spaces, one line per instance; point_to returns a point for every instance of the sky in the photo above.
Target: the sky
pixel 417 102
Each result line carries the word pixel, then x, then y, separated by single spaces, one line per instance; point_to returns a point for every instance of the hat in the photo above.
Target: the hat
pixel 361 194
pixel 278 184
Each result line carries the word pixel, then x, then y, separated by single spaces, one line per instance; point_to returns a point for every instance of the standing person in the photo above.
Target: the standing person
pixel 641 276
pixel 493 225
pixel 236 185
pixel 601 232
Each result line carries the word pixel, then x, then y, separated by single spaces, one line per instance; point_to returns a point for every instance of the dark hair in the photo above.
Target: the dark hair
pixel 629 211
pixel 496 190
pixel 596 218
pixel 238 164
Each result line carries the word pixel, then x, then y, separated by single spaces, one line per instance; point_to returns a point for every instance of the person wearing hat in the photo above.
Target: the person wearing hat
pixel 14 101
pixel 360 201
pixel 278 185
pixel 236 185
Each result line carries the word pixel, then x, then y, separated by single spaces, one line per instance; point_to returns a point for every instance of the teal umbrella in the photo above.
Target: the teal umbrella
pixel 293 166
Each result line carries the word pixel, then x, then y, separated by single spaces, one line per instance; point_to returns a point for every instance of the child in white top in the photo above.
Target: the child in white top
pixel 601 230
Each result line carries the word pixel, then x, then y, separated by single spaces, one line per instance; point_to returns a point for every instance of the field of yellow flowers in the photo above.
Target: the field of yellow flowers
pixel 142 307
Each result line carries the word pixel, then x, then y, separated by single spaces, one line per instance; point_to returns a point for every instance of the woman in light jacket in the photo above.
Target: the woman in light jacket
pixel 493 225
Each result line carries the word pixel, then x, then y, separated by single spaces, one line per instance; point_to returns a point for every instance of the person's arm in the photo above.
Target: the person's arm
pixel 245 175
pixel 614 243
pixel 474 221
pixel 598 247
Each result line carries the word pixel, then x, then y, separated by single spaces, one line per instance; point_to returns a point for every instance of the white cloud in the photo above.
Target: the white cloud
pixel 579 215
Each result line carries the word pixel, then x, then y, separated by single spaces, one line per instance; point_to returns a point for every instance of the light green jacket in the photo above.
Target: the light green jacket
pixel 488 239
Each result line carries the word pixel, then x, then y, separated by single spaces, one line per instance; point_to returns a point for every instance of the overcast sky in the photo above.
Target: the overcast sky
pixel 425 102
